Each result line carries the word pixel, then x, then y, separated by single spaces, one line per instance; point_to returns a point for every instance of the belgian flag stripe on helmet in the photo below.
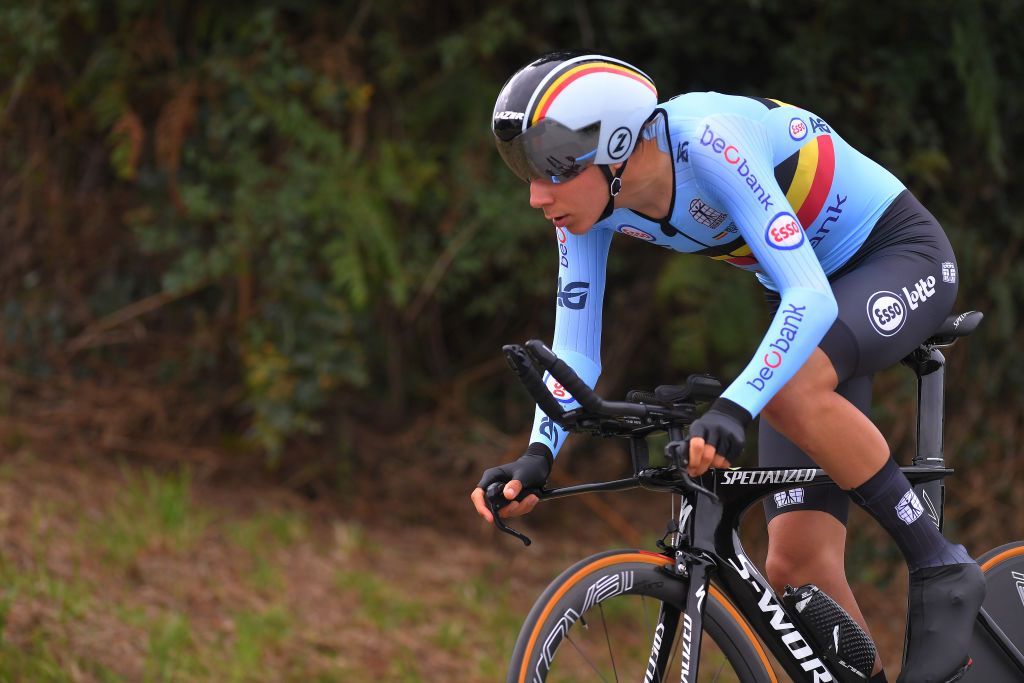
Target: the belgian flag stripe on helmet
pixel 559 84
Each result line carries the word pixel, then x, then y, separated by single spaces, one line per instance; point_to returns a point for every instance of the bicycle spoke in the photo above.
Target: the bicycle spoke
pixel 608 640
pixel 586 659
pixel 718 673
pixel 635 622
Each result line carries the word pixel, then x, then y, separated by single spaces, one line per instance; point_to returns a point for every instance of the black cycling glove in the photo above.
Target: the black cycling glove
pixel 723 427
pixel 532 469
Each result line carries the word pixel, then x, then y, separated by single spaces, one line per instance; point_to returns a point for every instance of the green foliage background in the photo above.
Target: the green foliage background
pixel 293 211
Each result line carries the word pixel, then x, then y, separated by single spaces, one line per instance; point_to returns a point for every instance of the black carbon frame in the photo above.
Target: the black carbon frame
pixel 710 549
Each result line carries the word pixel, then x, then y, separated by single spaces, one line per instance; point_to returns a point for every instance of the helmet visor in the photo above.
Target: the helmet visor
pixel 550 150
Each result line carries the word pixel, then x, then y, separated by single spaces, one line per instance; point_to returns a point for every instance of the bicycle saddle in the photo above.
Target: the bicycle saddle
pixel 954 327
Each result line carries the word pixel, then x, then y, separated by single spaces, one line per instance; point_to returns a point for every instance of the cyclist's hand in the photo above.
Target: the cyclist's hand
pixel 716 436
pixel 530 471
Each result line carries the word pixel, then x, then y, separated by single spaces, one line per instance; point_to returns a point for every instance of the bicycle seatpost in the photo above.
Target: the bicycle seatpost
pixel 930 367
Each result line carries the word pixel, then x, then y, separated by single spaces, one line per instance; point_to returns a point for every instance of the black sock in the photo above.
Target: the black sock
pixel 889 498
pixel 879 677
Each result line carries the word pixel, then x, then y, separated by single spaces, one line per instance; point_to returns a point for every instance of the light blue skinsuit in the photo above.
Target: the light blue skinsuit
pixel 763 185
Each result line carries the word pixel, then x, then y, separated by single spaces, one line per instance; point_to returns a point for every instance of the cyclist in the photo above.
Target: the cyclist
pixel 856 274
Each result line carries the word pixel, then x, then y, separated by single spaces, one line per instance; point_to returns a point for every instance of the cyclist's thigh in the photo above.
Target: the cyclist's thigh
pixel 895 296
pixel 775 450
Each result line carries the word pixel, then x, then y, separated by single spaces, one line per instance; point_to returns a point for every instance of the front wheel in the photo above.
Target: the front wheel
pixel 611 617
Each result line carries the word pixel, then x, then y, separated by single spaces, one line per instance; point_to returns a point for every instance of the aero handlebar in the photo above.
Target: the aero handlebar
pixel 523 365
pixel 669 408
pixel 673 403
pixel 583 394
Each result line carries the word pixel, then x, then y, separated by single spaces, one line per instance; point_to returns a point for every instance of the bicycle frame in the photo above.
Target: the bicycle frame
pixel 929 365
pixel 711 530
pixel 709 549
pixel 707 545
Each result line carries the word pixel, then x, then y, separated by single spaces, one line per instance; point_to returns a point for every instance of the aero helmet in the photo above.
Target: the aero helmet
pixel 568 110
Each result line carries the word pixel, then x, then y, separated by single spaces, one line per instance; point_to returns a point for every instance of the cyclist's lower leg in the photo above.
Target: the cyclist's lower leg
pixel 808 546
pixel 946 586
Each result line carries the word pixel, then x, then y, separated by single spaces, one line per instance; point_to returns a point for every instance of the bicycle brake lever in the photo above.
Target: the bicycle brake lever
pixel 497 500
pixel 694 486
pixel 678 454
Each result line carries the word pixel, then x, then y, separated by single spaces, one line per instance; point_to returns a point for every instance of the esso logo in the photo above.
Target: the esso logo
pixel 887 313
pixel 784 232
pixel 557 390
pixel 797 129
pixel 630 231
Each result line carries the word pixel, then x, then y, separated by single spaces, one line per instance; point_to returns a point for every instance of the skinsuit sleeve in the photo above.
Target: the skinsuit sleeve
pixel 578 302
pixel 731 157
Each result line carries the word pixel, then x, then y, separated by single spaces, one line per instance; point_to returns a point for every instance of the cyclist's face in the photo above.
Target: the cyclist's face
pixel 574 204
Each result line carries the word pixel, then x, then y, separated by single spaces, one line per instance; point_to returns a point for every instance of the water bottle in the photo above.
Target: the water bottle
pixel 840 640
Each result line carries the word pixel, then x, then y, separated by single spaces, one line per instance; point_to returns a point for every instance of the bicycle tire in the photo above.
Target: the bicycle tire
pixel 560 615
pixel 1004 601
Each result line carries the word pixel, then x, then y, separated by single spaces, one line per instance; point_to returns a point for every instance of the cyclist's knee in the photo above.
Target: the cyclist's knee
pixel 805 547
pixel 787 411
pixel 803 394
pixel 792 412
pixel 798 568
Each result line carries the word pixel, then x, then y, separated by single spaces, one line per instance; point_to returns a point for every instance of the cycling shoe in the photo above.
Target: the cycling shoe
pixel 943 604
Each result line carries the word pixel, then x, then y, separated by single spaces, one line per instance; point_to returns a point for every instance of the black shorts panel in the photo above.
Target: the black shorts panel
pixel 892 295
pixel 775 450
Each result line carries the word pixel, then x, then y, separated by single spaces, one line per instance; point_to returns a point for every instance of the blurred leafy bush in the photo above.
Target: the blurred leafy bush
pixel 297 205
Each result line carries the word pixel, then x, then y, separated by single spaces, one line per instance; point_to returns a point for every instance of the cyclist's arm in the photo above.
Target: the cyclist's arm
pixel 578 302
pixel 731 157
pixel 579 297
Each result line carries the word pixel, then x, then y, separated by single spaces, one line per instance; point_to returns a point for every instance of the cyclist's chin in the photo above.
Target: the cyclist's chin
pixel 578 227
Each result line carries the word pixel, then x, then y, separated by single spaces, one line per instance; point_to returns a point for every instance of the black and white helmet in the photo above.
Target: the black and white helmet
pixel 568 110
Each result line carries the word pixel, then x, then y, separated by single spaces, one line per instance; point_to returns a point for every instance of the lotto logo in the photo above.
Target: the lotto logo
pixel 909 508
pixel 923 289
pixel 949 272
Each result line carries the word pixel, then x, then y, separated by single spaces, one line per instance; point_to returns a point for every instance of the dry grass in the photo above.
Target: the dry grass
pixel 154 570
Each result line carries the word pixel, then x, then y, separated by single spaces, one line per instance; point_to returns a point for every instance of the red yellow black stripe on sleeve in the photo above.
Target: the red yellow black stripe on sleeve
pixel 736 252
pixel 769 103
pixel 806 177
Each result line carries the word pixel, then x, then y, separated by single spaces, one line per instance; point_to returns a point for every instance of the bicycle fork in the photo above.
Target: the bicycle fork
pixel 687 624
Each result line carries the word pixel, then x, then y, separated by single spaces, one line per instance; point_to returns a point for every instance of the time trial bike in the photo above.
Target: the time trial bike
pixel 697 608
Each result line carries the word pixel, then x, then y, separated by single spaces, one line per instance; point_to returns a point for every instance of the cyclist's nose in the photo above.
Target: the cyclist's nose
pixel 540 194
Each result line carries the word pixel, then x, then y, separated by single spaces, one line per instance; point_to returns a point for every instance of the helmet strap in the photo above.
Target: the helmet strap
pixel 614 186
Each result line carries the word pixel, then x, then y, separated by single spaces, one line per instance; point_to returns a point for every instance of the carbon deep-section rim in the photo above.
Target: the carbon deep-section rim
pixel 599 621
pixel 1004 601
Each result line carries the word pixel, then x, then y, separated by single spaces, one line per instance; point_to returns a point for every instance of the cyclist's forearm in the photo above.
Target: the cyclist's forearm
pixel 545 430
pixel 582 260
pixel 803 318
